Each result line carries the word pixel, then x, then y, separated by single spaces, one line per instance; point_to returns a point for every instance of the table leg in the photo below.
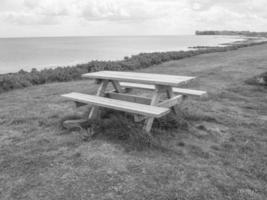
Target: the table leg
pixel 100 92
pixel 170 94
pixel 117 86
pixel 154 101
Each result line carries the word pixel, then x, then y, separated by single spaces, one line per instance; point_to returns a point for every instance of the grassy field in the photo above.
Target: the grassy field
pixel 221 154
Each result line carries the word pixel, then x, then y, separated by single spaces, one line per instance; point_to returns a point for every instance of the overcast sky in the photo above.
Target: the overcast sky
pixel 19 18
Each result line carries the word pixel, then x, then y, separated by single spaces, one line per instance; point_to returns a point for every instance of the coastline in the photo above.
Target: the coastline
pixel 22 79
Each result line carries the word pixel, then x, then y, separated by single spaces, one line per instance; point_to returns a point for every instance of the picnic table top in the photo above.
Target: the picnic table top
pixel 138 77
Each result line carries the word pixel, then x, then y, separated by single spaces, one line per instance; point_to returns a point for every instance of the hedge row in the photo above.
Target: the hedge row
pixel 23 79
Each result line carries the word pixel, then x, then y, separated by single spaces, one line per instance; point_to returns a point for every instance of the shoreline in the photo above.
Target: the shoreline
pixel 22 79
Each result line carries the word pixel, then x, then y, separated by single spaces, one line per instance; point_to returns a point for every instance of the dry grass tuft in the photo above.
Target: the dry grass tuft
pixel 258 80
pixel 119 126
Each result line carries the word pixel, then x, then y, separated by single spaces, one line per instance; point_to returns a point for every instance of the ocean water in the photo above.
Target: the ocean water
pixel 46 52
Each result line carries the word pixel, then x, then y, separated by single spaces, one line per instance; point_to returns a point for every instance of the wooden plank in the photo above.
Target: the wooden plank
pixel 170 95
pixel 76 123
pixel 135 77
pixel 100 92
pixel 147 110
pixel 137 86
pixel 175 89
pixel 171 102
pixel 102 87
pixel 189 92
pixel 151 75
pixel 128 97
pixel 117 86
pixel 154 101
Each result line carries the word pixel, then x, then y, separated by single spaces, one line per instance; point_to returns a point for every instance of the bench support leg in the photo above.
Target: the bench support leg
pixel 117 86
pixel 170 95
pixel 154 101
pixel 100 92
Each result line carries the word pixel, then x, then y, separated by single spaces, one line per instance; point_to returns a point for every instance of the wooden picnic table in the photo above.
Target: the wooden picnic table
pixel 163 84
pixel 138 77
pixel 120 99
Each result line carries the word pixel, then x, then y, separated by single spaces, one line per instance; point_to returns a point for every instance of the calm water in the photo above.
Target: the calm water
pixel 28 53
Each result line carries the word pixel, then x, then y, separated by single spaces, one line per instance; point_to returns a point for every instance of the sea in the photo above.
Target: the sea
pixel 50 52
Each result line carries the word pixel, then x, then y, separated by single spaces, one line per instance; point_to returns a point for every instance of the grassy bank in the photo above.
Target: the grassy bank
pixel 220 154
pixel 24 79
pixel 244 33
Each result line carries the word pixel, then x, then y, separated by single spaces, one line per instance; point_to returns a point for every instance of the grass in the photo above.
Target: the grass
pixel 216 148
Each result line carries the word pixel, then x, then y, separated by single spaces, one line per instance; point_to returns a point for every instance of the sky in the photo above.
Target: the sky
pixel 28 18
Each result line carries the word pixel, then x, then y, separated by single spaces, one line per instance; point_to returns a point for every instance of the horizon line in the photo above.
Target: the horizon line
pixel 14 37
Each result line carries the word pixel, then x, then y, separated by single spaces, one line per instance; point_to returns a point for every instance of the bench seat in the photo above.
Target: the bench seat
pixel 175 90
pixel 136 108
